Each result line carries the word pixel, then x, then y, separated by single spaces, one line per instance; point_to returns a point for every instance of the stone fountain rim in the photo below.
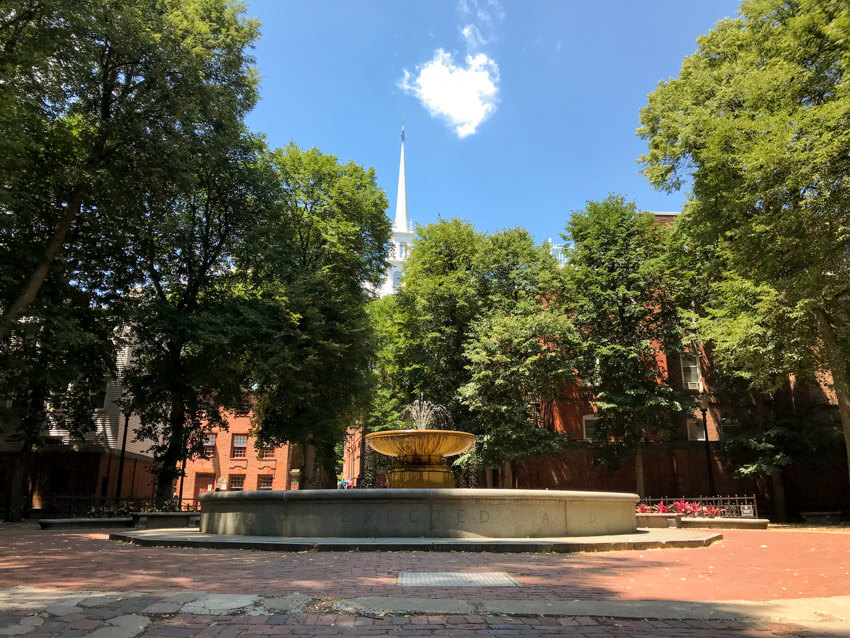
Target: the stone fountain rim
pixel 417 432
pixel 383 494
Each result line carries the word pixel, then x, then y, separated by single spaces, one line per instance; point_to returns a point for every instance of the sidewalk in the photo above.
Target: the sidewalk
pixel 754 583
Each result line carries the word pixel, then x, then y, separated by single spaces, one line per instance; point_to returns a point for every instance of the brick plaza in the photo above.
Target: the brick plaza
pixel 81 570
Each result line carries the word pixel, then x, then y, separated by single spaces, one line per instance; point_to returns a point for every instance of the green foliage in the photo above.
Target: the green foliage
pixel 476 328
pixel 772 441
pixel 521 351
pixel 386 407
pixel 187 318
pixel 518 362
pixel 437 306
pixel 622 306
pixel 107 111
pixel 102 104
pixel 756 334
pixel 253 282
pixel 325 235
pixel 757 119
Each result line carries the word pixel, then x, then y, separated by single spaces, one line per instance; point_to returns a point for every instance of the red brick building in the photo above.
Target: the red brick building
pixel 233 461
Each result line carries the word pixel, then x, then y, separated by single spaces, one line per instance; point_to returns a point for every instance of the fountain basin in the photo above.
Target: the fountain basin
pixel 420 443
pixel 419 513
pixel 421 455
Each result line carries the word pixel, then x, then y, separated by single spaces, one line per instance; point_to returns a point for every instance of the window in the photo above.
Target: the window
pixel 402 250
pixel 240 444
pixel 266 452
pixel 728 426
pixel 588 421
pixel 244 409
pixel 209 445
pixel 98 400
pixel 691 378
pixel 236 482
pixel 696 432
pixel 396 280
pixel 264 482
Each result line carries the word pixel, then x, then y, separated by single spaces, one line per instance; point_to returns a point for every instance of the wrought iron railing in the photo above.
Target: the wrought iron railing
pixel 732 506
pixel 84 506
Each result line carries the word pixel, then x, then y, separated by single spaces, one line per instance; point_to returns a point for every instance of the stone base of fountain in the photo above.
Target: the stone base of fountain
pixel 414 475
pixel 419 513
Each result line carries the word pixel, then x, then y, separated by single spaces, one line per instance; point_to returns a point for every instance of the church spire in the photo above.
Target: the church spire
pixel 401 223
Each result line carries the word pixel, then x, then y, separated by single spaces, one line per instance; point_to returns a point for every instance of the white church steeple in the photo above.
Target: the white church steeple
pixel 402 237
pixel 400 223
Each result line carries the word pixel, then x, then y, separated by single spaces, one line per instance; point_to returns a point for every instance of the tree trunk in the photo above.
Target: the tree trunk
pixel 840 381
pixel 51 251
pixel 780 510
pixel 308 474
pixel 507 476
pixel 361 471
pixel 15 510
pixel 174 452
pixel 640 488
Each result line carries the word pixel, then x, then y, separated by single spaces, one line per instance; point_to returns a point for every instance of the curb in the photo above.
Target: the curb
pixel 643 540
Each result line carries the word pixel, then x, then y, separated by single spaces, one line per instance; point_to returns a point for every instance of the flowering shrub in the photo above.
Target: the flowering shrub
pixel 686 508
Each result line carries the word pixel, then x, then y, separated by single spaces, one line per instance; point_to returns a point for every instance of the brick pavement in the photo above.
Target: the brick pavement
pixel 747 565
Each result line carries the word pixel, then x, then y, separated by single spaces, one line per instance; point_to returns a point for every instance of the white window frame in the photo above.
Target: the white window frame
pixel 234 447
pixel 233 488
pixel 266 452
pixel 696 430
pixel 691 385
pixel 270 477
pixel 209 445
pixel 588 417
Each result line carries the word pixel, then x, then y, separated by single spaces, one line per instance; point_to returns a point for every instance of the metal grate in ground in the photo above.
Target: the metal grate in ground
pixel 456 579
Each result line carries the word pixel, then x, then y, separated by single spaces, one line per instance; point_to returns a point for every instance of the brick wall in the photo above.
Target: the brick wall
pixel 223 468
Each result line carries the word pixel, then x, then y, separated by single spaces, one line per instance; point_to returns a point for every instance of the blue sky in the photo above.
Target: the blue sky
pixel 517 113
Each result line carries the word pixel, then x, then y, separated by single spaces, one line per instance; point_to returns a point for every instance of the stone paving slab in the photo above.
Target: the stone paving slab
pixel 643 539
pixel 249 614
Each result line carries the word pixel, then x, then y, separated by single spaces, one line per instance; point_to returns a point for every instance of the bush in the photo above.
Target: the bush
pixel 686 508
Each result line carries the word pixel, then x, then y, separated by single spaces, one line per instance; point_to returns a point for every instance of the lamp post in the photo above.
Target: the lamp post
pixel 703 407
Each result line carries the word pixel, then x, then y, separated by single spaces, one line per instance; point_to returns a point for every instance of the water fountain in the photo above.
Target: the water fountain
pixel 422 502
pixel 421 452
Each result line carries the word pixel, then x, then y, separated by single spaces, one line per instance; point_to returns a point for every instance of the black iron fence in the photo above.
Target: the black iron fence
pixel 732 506
pixel 102 506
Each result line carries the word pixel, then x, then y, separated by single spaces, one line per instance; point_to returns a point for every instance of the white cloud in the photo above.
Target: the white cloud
pixel 464 96
pixel 472 35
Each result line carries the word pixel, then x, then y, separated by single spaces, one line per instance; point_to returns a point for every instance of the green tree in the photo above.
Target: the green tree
pixel 521 352
pixel 438 304
pixel 326 235
pixel 388 381
pixel 477 328
pixel 100 103
pixel 622 306
pixel 519 362
pixel 190 317
pixel 50 371
pixel 757 119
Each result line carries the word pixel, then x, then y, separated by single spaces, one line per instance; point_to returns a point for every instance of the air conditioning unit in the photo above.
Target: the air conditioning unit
pixel 693 385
